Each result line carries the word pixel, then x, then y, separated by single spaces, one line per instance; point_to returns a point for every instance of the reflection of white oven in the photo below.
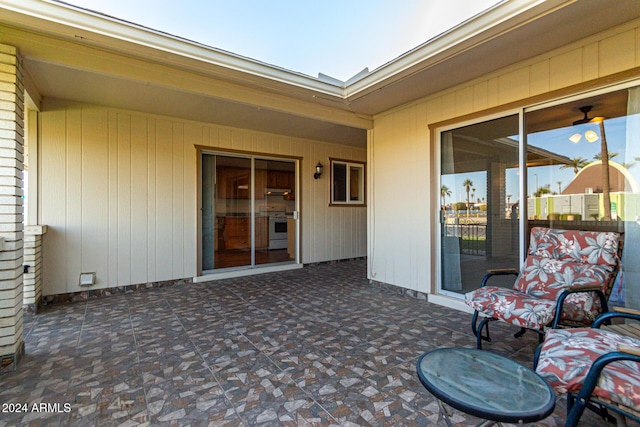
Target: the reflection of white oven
pixel 277 232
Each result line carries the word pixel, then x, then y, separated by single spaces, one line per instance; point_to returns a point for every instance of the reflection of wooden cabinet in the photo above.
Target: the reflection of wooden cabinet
pixel 261 183
pixel 237 233
pixel 292 185
pixel 282 180
pixel 233 183
pixel 278 179
pixel 262 232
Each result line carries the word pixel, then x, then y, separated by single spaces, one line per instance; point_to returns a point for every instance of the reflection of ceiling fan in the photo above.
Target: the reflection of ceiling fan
pixel 589 135
pixel 585 110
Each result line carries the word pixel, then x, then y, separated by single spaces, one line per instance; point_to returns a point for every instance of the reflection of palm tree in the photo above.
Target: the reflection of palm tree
pixel 543 190
pixel 444 193
pixel 629 165
pixel 576 163
pixel 609 156
pixel 467 184
pixel 605 156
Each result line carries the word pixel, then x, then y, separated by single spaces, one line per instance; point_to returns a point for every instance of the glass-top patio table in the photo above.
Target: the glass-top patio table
pixel 485 385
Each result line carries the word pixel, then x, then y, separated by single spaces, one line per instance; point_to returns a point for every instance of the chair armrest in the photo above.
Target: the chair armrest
pixel 624 313
pixel 579 288
pixel 573 290
pixel 591 380
pixel 629 350
pixel 626 310
pixel 503 271
pixel 498 272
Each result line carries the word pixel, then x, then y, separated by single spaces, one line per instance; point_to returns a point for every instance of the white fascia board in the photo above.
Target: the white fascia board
pixel 466 35
pixel 114 30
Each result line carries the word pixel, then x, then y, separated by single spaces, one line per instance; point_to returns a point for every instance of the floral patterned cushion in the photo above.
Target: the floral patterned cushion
pixel 531 312
pixel 548 277
pixel 512 306
pixel 587 247
pixel 567 355
pixel 557 259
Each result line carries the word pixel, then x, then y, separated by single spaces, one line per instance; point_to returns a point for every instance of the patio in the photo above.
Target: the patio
pixel 317 346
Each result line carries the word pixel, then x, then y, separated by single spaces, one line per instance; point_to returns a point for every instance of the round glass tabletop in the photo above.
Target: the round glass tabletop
pixel 486 385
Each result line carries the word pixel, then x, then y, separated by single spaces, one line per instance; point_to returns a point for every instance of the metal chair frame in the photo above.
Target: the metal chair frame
pixel 578 402
pixel 556 322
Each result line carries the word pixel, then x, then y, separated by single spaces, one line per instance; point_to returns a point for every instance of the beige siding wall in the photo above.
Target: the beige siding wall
pixel 404 185
pixel 118 194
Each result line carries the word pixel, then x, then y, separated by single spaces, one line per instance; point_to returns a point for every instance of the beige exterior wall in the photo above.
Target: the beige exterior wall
pixel 405 192
pixel 118 192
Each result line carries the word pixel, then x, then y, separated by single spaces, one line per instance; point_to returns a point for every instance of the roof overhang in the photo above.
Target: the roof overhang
pixel 508 33
pixel 72 53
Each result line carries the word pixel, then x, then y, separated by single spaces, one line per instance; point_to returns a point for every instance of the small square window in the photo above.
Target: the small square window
pixel 347 182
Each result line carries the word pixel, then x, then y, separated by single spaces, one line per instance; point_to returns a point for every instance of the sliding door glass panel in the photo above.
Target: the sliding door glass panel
pixel 261 230
pixel 227 219
pixel 275 206
pixel 479 203
pixel 582 172
pixel 247 211
pixel 211 228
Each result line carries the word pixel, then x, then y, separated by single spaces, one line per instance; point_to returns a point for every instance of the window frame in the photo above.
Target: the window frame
pixel 362 200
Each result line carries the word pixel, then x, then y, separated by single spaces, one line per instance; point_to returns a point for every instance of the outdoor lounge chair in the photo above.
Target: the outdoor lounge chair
pixel 597 369
pixel 565 280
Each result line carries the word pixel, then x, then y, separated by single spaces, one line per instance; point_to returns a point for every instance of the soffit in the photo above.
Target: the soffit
pixel 102 89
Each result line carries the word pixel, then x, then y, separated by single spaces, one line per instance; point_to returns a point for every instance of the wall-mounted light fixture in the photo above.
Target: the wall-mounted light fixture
pixel 87 279
pixel 318 173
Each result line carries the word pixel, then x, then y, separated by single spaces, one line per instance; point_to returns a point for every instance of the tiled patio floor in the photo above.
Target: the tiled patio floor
pixel 316 346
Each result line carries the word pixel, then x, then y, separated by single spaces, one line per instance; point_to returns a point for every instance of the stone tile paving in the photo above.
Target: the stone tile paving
pixel 312 347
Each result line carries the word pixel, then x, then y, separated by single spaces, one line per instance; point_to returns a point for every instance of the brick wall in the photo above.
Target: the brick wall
pixel 11 158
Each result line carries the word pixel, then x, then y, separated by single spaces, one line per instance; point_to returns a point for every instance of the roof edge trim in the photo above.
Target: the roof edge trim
pixel 456 39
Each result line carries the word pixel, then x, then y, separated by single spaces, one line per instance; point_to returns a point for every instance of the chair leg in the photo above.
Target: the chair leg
pixel 520 333
pixel 575 408
pixel 474 321
pixel 479 337
pixel 536 356
pixel 523 330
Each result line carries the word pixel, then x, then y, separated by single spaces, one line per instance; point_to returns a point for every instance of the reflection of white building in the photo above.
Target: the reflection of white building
pixel 583 196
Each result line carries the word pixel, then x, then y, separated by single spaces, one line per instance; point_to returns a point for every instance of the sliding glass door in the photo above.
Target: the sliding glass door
pixel 568 164
pixel 249 211
pixel 479 202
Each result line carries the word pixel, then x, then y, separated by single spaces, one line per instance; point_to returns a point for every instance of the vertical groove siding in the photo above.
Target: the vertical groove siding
pixel 119 195
pixel 400 151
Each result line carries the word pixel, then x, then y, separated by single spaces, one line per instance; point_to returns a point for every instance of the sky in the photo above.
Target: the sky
pixel 338 38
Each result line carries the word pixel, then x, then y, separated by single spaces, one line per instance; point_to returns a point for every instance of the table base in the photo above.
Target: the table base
pixel 446 415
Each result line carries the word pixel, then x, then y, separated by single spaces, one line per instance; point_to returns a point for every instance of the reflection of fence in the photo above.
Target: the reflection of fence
pixel 472 237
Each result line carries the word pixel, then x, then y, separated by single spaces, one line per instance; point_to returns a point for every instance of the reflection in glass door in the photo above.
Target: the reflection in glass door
pixel 275 203
pixel 479 203
pixel 248 210
pixel 583 174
